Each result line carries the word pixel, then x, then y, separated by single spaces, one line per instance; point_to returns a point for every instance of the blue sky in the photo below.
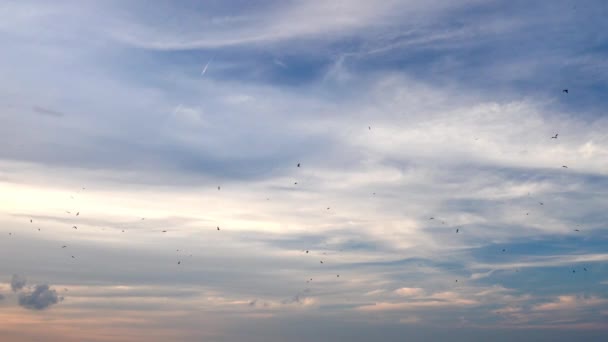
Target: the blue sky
pixel 398 111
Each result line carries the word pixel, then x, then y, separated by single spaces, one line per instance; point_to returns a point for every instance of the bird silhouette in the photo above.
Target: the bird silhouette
pixel 541 203
pixel 74 227
pixel 565 91
pixel 298 164
pixel 78 213
pixel 218 227
pixel 555 136
pixel 218 188
pixel 457 230
pixel 564 166
pixel 64 246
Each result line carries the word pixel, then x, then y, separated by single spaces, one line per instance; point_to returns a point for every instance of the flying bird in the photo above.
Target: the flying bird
pixel 218 187
pixel 64 246
pixel 306 252
pixel 179 262
pixel 218 227
pixel 457 230
pixel 504 250
pixel 576 230
pixel 31 221
pixel 164 231
pixel 565 91
pixel 369 128
pixel 337 275
pixel 541 203
pixel 564 166
pixel 298 164
pixel 431 218
pixel 321 261
pixel 295 183
pixel 555 136
pixel 584 268
pixel 74 227
pixel 78 213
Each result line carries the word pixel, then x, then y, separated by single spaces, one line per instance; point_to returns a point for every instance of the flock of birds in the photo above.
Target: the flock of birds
pixel 307 251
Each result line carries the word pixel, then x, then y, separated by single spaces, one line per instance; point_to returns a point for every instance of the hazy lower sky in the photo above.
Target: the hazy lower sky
pixel 431 202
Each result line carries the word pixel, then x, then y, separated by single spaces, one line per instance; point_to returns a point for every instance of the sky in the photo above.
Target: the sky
pixel 303 170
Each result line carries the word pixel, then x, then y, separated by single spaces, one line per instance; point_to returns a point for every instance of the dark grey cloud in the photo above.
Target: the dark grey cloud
pixel 17 282
pixel 48 112
pixel 40 298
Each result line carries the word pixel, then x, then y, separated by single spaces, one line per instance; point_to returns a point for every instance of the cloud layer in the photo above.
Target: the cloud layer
pixel 431 200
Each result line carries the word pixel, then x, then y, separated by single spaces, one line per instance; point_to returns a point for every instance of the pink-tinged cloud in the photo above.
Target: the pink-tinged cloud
pixel 409 291
pixel 570 303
